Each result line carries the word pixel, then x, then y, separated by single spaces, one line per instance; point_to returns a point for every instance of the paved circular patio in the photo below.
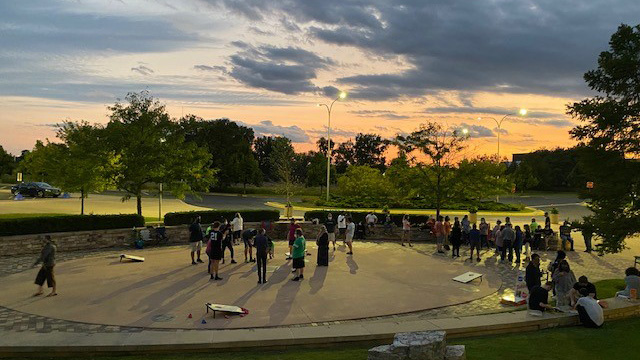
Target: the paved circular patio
pixel 380 279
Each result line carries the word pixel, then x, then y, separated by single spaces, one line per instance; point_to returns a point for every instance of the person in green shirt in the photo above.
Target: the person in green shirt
pixel 298 253
pixel 534 225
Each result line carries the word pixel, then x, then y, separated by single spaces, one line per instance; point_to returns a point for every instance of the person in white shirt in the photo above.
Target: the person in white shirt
pixel 406 230
pixel 589 310
pixel 350 231
pixel 342 224
pixel 237 225
pixel 371 220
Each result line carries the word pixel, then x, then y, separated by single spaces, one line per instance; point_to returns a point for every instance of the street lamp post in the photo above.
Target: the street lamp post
pixel 341 95
pixel 522 112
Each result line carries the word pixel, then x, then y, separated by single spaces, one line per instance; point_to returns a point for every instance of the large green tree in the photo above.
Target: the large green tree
pixel 150 148
pixel 7 162
pixel 479 178
pixel 610 131
pixel 230 147
pixel 434 150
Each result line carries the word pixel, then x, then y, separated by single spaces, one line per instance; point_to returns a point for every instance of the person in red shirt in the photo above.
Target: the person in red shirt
pixel 291 236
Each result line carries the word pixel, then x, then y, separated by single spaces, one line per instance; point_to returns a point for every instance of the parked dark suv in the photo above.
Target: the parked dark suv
pixel 35 189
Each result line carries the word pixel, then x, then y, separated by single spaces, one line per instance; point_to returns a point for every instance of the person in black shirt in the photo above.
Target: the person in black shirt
pixel 330 224
pixel 48 260
pixel 533 273
pixel 583 283
pixel 227 239
pixel 195 239
pixel 247 238
pixel 261 243
pixel 456 238
pixel 323 247
pixel 214 250
pixel 539 297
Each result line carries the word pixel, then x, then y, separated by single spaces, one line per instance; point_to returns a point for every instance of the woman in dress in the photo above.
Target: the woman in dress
pixel 323 247
pixel 456 238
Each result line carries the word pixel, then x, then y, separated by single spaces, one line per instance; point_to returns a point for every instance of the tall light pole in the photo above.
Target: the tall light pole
pixel 522 112
pixel 341 95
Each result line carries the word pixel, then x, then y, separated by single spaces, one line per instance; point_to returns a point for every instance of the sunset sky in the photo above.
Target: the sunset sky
pixel 268 63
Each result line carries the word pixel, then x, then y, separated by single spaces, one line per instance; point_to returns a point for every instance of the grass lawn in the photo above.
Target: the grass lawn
pixel 612 341
pixel 527 211
pixel 608 288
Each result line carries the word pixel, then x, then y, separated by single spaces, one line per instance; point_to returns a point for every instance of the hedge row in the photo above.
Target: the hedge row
pixel 358 216
pixel 209 216
pixel 66 223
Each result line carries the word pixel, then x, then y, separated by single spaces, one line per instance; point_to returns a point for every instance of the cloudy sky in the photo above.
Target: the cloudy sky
pixel 268 63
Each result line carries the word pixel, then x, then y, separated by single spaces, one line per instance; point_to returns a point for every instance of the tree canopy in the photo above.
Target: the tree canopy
pixel 610 132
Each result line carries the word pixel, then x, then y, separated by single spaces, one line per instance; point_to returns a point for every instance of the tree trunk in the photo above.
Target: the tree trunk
pixel 81 201
pixel 139 204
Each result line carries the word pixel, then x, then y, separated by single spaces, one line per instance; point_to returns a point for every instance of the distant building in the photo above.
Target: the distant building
pixel 518 158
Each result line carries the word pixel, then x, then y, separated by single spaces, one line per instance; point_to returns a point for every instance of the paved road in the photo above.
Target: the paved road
pixel 568 204
pixel 232 201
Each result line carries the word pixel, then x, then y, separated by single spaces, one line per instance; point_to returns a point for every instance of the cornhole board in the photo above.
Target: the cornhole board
pixel 468 277
pixel 236 310
pixel 131 258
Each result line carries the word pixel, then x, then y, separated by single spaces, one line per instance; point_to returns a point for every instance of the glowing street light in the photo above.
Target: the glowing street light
pixel 465 131
pixel 521 112
pixel 341 96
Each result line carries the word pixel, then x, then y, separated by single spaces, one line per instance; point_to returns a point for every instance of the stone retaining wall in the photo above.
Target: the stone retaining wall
pixel 98 239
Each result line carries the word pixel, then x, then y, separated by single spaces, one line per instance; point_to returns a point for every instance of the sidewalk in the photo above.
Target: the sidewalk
pixel 12 343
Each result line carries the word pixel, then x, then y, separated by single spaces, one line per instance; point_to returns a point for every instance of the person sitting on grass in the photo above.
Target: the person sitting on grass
pixel 583 283
pixel 297 254
pixel 539 297
pixel 632 280
pixel 589 310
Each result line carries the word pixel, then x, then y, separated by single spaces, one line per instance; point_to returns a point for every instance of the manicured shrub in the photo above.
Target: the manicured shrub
pixel 209 216
pixel 66 223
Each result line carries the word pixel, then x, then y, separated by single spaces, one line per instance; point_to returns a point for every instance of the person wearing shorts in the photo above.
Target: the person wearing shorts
pixel 406 230
pixel 48 260
pixel 342 224
pixel 330 224
pixel 291 236
pixel 298 253
pixel 214 250
pixel 247 238
pixel 350 232
pixel 195 240
pixel 237 225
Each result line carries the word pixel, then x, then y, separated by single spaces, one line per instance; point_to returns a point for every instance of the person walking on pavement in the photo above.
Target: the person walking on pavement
pixel 261 243
pixel 48 259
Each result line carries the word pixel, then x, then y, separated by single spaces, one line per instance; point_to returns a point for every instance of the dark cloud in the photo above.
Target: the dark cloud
pixel 142 70
pixel 334 132
pixel 287 70
pixel 387 114
pixel 476 131
pixel 216 68
pixel 488 110
pixel 268 128
pixel 540 47
pixel 256 30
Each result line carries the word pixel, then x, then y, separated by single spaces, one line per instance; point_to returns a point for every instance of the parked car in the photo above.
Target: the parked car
pixel 35 189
